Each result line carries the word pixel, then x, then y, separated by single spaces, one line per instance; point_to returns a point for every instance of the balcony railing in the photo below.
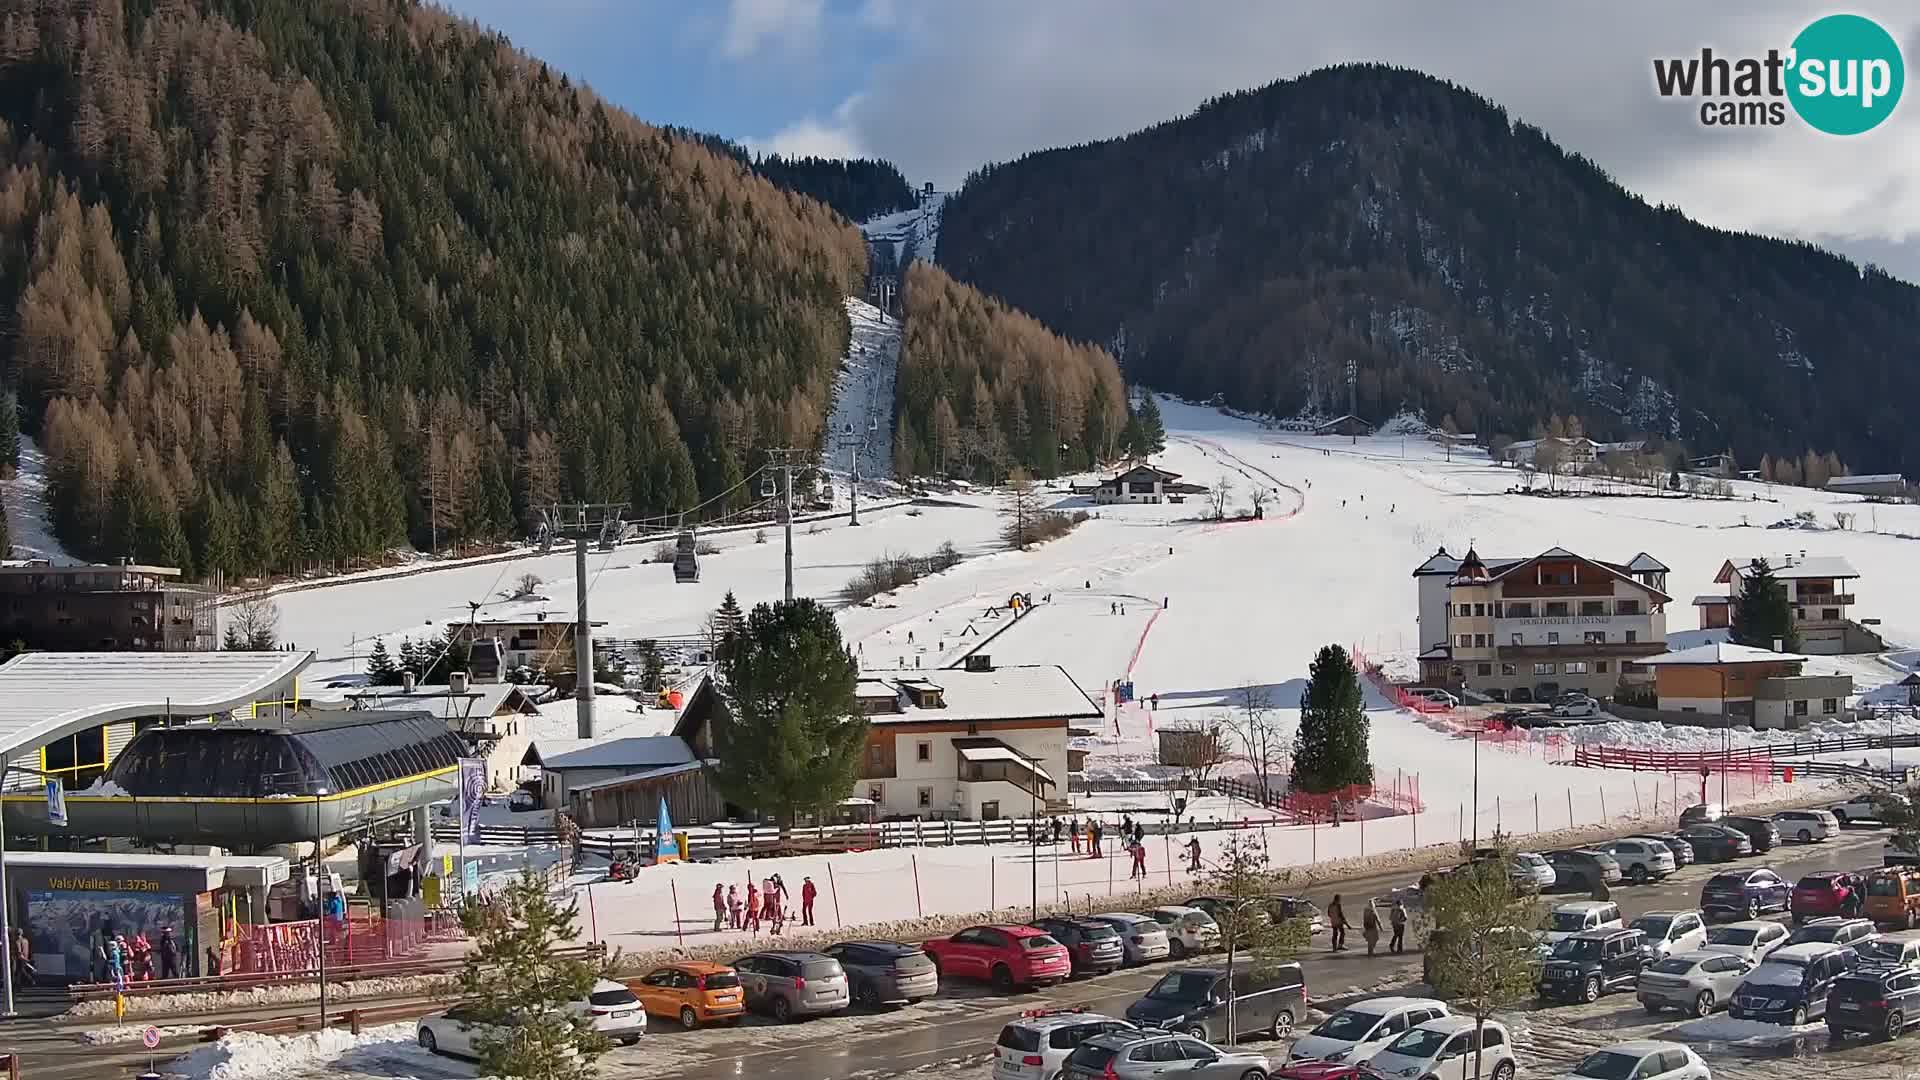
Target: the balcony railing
pixel 1824 599
pixel 1580 649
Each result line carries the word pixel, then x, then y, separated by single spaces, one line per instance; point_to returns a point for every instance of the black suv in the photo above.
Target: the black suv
pixel 1593 962
pixel 1879 999
pixel 1578 869
pixel 1762 831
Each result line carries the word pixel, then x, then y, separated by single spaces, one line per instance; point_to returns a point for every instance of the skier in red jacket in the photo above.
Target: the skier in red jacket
pixel 807 893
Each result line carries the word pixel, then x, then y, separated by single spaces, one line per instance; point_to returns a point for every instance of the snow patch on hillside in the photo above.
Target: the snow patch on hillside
pixel 913 234
pixel 863 394
pixel 26 501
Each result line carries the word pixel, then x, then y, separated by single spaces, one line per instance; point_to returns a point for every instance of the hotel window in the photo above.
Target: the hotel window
pixel 1466 641
pixel 1480 610
pixel 1546 669
pixel 1595 637
pixel 1829 612
pixel 1553 637
pixel 1519 611
pixel 1599 667
pixel 1626 607
pixel 1800 707
pixel 1509 669
pixel 1576 667
pixel 1486 669
pixel 926 797
pixel 1829 706
pixel 1557 608
pixel 1633 636
pixel 1516 638
pixel 1799 613
pixel 1479 641
pixel 1463 610
pixel 923 752
pixel 878 793
pixel 873 753
pixel 1593 607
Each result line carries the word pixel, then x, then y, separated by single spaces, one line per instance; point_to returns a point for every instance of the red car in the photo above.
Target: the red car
pixel 1829 892
pixel 1006 956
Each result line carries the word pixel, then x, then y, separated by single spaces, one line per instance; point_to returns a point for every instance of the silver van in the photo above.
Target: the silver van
pixel 787 984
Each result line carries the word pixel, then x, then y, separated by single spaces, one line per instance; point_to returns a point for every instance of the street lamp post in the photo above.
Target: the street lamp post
pixel 320 895
pixel 1475 732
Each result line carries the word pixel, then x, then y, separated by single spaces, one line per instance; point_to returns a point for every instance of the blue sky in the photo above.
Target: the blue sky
pixel 941 87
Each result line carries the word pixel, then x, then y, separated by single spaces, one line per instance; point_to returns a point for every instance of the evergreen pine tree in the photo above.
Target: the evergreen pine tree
pixel 653 668
pixel 521 980
pixel 1763 614
pixel 6 537
pixel 1153 433
pixel 410 659
pixel 1330 747
pixel 380 666
pixel 725 623
pixel 791 739
pixel 9 430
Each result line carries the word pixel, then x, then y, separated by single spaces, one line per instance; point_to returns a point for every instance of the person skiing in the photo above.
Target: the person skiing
pixel 1370 927
pixel 1093 839
pixel 753 907
pixel 117 962
pixel 169 949
pixel 719 906
pixel 807 894
pixel 1193 855
pixel 1139 853
pixel 1337 923
pixel 141 950
pixel 1398 919
pixel 1153 702
pixel 733 908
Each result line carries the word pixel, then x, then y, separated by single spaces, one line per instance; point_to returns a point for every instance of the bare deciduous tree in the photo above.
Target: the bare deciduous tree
pixel 1260 497
pixel 1257 731
pixel 1217 498
pixel 253 624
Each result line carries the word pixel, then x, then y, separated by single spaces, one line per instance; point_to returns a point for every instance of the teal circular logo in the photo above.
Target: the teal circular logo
pixel 1846 76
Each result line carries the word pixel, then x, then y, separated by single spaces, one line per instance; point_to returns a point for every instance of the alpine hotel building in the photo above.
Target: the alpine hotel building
pixel 1529 629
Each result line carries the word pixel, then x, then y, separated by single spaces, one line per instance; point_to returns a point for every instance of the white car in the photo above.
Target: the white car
pixel 1036 1046
pixel 452 1032
pixel 1425 1050
pixel 614 1011
pixel 1865 806
pixel 1435 695
pixel 1576 708
pixel 1752 938
pixel 1579 916
pixel 1669 933
pixel 1640 860
pixel 1642 1059
pixel 1189 930
pixel 1357 1032
pixel 1807 826
pixel 1142 940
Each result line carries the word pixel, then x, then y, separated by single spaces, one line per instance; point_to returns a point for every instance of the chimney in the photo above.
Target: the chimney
pixel 456 682
pixel 979 662
pixel 406 682
pixel 1779 645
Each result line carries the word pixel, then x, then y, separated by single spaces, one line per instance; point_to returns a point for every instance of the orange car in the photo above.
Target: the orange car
pixel 693 992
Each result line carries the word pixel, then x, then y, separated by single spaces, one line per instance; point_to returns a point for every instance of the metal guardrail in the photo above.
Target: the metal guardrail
pixel 1613 757
pixel 257 979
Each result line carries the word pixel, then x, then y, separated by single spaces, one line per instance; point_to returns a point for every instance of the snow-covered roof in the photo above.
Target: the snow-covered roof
pixel 658 773
pixel 1001 752
pixel 1860 479
pixel 874 688
pixel 49 694
pixel 478 701
pixel 636 751
pixel 1644 563
pixel 1803 566
pixel 1719 652
pixel 1711 599
pixel 1036 692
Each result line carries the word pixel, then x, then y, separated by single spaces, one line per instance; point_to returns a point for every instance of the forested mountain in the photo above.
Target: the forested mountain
pixel 983 387
pixel 291 281
pixel 859 188
pixel 1458 258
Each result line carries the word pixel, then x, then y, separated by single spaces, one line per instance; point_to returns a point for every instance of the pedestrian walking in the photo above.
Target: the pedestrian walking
pixel 117 962
pixel 719 906
pixel 1093 839
pixel 807 894
pixel 1139 852
pixel 1153 703
pixel 1073 835
pixel 1193 855
pixel 23 971
pixel 1126 825
pixel 734 915
pixel 1398 919
pixel 1337 923
pixel 1370 927
pixel 1139 833
pixel 753 908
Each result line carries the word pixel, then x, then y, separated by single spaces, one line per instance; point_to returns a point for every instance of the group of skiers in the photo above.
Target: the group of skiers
pixel 1369 925
pixel 765 903
pixel 115 959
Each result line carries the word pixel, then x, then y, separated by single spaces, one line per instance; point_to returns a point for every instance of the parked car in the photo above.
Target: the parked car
pixel 1194 1000
pixel 1577 869
pixel 693 992
pixel 1577 707
pixel 1899 947
pixel 1579 916
pixel 1670 932
pixel 1744 894
pixel 1642 1059
pixel 1826 892
pixel 1701 814
pixel 1587 965
pixel 1880 999
pixel 1424 1050
pixel 1790 986
pixel 455 1031
pixel 1762 832
pixel 614 1011
pixel 521 800
pixel 1142 940
pixel 1893 897
pixel 1526 869
pixel 1144 1057
pixel 1435 695
pixel 1867 806
pixel 1189 929
pixel 1036 1045
pixel 886 972
pixel 1640 861
pixel 1752 939
pixel 1009 957
pixel 1807 826
pixel 1093 947
pixel 1834 931
pixel 1696 983
pixel 790 983
pixel 1677 844
pixel 1298 907
pixel 1717 843
pixel 1358 1031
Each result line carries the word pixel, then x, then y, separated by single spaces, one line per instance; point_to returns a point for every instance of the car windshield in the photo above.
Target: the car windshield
pixel 719 980
pixel 1815 933
pixel 1040 941
pixel 1726 883
pixel 821 969
pixel 1097 933
pixel 610 997
pixel 1654 926
pixel 1674 965
pixel 1091 1058
pixel 1349 1024
pixel 1732 935
pixel 1571 922
pixel 1815 884
pixel 1015 1037
pixel 1418 1043
pixel 1530 860
pixel 1577 949
pixel 1608 1065
pixel 1182 986
pixel 1779 973
pixel 1882 949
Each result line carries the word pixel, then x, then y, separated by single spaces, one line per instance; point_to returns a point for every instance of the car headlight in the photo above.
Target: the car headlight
pixel 1338 1055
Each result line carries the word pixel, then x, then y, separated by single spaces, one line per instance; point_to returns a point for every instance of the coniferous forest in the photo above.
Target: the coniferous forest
pixel 1456 258
pixel 292 283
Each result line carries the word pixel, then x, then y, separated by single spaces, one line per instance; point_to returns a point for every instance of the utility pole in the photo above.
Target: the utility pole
pixel 583 523
pixel 853 489
pixel 1353 428
pixel 783 459
pixel 433 497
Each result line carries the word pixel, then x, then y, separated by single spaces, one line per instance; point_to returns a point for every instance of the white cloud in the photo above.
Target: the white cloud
pixel 812 137
pixel 752 25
